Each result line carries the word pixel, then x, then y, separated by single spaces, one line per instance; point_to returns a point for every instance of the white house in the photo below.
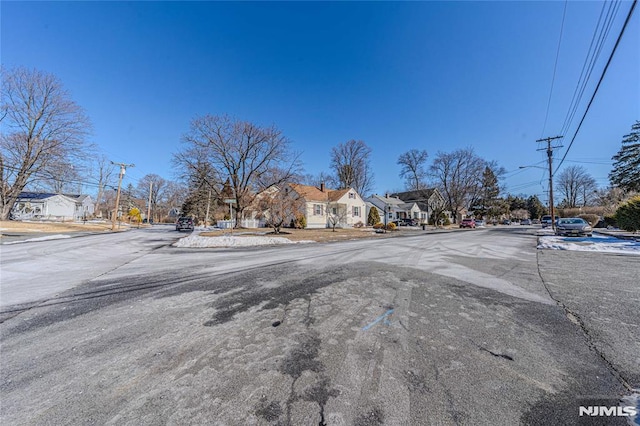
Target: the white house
pixel 325 208
pixel 85 206
pixel 393 207
pixel 46 206
pixel 428 200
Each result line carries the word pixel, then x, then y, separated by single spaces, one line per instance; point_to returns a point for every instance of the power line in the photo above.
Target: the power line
pixel 604 71
pixel 555 67
pixel 595 48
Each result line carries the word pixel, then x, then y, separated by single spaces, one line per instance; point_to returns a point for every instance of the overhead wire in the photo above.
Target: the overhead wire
pixel 600 34
pixel 555 67
pixel 604 71
pixel 43 175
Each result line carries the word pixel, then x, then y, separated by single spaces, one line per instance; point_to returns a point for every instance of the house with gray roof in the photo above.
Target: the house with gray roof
pixel 48 206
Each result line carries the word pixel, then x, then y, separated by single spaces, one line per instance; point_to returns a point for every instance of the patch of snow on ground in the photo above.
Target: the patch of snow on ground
pixel 48 237
pixel 596 243
pixel 197 241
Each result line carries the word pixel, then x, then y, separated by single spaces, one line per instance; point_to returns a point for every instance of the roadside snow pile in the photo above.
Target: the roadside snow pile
pixel 232 241
pixel 48 237
pixel 596 243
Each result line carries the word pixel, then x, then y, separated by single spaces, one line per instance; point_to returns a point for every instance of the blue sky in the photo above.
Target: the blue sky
pixel 428 75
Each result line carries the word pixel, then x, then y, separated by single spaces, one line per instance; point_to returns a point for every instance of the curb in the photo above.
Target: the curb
pixel 622 235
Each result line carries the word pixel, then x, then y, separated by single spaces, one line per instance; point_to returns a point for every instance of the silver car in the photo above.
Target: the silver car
pixel 574 226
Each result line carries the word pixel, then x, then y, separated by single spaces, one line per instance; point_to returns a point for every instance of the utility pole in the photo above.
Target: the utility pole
pixel 149 206
pixel 123 168
pixel 206 218
pixel 550 159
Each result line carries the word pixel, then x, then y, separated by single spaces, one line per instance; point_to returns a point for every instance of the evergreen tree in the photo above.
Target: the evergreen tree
pixel 516 203
pixel 628 215
pixel 626 168
pixel 535 207
pixel 374 217
pixel 488 193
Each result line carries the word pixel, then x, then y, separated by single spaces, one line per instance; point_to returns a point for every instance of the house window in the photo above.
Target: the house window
pixel 352 195
pixel 334 210
pixel 356 211
pixel 317 209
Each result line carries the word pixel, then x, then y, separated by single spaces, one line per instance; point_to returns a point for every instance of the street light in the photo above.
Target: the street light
pixel 535 167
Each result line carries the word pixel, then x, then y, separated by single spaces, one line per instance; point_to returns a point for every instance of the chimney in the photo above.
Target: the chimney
pixel 322 187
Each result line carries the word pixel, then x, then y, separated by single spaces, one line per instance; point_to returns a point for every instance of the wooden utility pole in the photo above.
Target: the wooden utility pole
pixel 550 149
pixel 123 168
pixel 206 217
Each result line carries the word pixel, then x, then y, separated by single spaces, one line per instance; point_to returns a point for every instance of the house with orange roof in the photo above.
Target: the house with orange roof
pixel 326 208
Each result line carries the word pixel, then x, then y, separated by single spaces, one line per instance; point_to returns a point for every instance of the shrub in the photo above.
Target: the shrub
pixel 302 222
pixel 358 224
pixel 628 215
pixel 391 226
pixel 378 225
pixel 445 220
pixel 610 221
pixel 591 218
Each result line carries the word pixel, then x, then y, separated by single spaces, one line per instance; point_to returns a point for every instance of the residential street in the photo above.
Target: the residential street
pixel 451 328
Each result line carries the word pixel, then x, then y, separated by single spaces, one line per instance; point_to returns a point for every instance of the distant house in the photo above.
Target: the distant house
pixel 85 205
pixel 325 208
pixel 393 207
pixel 428 200
pixel 47 206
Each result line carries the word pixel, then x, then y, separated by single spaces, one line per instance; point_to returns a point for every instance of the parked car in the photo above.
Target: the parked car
pixel 406 222
pixel 506 222
pixel 574 226
pixel 525 222
pixel 546 220
pixel 480 222
pixel 184 224
pixel 468 223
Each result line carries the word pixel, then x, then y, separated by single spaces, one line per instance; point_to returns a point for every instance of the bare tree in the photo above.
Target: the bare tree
pixel 41 129
pixel 252 158
pixel 173 197
pixel 458 175
pixel 577 186
pixel 350 163
pixel 336 215
pixel 281 206
pixel 156 184
pixel 104 172
pixel 321 178
pixel 412 168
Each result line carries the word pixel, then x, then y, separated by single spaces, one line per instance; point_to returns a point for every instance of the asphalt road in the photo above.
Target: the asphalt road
pixel 473 327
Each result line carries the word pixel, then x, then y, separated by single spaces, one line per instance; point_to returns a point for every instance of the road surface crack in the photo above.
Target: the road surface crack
pixel 482 348
pixel 575 318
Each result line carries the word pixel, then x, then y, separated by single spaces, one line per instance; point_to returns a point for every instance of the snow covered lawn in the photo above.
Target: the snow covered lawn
pixel 596 243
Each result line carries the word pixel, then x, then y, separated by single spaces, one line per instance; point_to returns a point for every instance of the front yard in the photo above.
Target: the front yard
pixel 318 235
